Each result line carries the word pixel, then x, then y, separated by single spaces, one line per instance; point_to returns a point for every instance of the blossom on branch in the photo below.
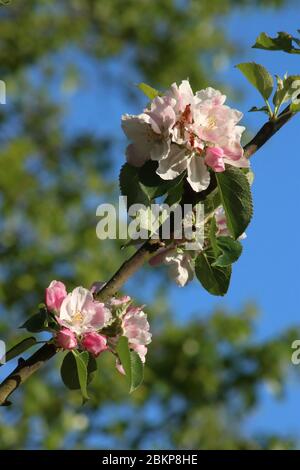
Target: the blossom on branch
pixel 136 328
pixel 81 313
pixel 86 324
pixel 184 131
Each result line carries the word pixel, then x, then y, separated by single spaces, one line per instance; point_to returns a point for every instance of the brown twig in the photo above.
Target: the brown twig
pixel 267 131
pixel 26 368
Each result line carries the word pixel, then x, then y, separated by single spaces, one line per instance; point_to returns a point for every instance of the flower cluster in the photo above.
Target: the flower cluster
pixel 184 131
pixel 86 324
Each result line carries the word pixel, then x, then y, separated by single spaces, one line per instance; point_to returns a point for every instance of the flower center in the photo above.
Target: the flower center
pixel 211 122
pixel 78 318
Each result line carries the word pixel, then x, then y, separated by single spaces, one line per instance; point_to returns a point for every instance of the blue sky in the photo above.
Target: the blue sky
pixel 267 273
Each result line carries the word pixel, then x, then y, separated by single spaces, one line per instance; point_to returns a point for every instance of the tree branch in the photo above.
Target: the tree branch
pixel 26 368
pixel 267 131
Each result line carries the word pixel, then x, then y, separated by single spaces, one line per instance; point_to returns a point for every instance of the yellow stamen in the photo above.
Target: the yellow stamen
pixel 78 317
pixel 211 122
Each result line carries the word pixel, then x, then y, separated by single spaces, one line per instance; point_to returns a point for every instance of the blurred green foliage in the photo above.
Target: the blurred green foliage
pixel 202 377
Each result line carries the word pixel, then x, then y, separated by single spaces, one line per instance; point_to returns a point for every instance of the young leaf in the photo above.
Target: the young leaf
pixel 19 348
pixel 230 251
pixel 285 89
pixel 258 76
pixel 150 92
pixel 131 363
pixel 137 371
pixel 130 186
pixel 214 279
pixel 235 194
pixel 69 371
pixel 283 42
pixel 255 109
pixel 82 359
pixel 37 322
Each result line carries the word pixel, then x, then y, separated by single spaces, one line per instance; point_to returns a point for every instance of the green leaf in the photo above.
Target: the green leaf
pixel 214 279
pixel 212 202
pixel 82 359
pixel 137 371
pixel 285 89
pixel 283 42
pixel 70 373
pixel 258 76
pixel 19 348
pixel 130 186
pixel 255 109
pixel 132 364
pixel 236 198
pixel 150 92
pixel 175 194
pixel 249 175
pixel 230 251
pixel 152 184
pixel 37 322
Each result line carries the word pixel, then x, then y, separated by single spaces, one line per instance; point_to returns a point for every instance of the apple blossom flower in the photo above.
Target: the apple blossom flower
pixel 55 294
pixel 189 132
pixel 180 262
pixel 136 328
pixel 66 339
pixel 81 313
pixel 94 343
pixel 181 267
pixel 146 142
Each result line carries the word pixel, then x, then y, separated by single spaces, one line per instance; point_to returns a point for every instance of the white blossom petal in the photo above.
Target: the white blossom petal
pixel 198 174
pixel 174 164
pixel 181 268
pixel 210 94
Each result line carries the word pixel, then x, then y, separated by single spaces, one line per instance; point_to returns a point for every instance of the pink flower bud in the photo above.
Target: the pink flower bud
pixel 214 159
pixel 66 339
pixel 94 343
pixel 55 294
